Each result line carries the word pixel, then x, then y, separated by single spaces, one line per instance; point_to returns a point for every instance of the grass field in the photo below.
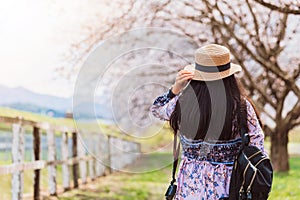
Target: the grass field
pixel 141 186
pixel 158 136
pixel 8 112
pixel 152 185
pixel 5 183
pixel 286 185
pixel 88 126
pixel 129 186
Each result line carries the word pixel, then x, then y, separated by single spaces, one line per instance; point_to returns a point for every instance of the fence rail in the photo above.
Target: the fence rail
pixel 91 154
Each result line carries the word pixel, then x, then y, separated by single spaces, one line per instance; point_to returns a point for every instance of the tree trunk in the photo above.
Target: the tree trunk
pixel 279 150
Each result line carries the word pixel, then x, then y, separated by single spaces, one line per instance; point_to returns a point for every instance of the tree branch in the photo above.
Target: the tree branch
pixel 280 9
pixel 282 31
pixel 293 114
pixel 295 123
pixel 252 83
pixel 263 63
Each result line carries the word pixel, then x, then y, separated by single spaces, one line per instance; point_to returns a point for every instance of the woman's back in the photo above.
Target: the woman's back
pixel 209 110
pixel 206 165
pixel 206 115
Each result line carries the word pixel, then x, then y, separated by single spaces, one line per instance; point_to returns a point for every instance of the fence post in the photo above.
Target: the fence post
pixel 65 156
pixel 109 153
pixel 100 155
pixel 51 158
pixel 125 153
pixel 82 163
pixel 118 147
pixel 18 149
pixel 36 153
pixel 92 161
pixel 74 155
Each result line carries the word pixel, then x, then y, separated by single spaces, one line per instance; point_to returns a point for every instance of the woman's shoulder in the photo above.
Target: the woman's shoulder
pixel 252 114
pixel 250 106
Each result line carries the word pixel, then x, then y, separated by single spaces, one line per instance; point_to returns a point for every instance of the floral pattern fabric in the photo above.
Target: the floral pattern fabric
pixel 206 166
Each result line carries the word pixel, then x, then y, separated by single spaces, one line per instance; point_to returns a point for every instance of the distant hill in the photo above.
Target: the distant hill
pixel 20 95
pixel 23 99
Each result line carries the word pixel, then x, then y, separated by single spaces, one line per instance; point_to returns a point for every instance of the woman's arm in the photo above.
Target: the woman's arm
pixel 164 105
pixel 255 131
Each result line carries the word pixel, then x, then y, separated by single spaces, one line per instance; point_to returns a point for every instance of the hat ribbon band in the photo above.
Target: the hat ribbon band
pixel 219 68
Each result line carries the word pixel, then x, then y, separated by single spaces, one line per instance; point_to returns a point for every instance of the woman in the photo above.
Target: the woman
pixel 206 116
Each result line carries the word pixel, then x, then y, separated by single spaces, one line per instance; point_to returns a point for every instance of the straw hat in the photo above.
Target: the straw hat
pixel 212 62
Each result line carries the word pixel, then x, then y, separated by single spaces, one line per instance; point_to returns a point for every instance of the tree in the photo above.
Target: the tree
pixel 261 36
pixel 258 39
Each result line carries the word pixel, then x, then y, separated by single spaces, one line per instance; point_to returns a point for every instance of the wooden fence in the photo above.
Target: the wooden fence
pixel 97 155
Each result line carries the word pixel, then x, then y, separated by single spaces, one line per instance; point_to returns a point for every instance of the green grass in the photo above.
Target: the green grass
pixel 286 185
pixel 159 138
pixel 92 126
pixel 8 112
pixel 5 183
pixel 149 184
pixel 5 157
pixel 152 185
pixel 162 135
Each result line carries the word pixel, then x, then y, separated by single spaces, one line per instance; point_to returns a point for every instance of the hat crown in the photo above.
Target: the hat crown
pixel 212 55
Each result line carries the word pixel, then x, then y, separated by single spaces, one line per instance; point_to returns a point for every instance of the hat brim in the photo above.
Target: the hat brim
pixel 212 76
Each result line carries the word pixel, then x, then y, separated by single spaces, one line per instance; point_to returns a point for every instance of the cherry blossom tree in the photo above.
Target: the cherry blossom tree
pixel 261 35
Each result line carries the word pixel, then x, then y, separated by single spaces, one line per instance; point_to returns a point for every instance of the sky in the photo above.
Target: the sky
pixel 34 37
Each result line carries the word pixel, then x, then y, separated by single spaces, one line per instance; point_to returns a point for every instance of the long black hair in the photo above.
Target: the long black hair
pixel 209 110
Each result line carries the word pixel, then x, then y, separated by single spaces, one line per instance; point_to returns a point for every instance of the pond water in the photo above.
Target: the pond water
pixel 6 145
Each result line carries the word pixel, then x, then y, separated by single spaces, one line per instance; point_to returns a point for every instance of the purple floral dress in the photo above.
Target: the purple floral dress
pixel 206 166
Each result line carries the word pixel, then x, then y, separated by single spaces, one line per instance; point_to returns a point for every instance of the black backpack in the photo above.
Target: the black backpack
pixel 252 172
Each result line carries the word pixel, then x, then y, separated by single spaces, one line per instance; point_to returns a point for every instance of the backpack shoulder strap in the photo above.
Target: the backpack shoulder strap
pixel 176 150
pixel 243 123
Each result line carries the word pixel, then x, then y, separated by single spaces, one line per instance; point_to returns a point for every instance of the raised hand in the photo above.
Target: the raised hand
pixel 181 80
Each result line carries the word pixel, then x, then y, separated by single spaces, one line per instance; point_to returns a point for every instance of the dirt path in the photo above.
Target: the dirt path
pixel 128 186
